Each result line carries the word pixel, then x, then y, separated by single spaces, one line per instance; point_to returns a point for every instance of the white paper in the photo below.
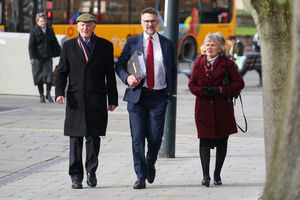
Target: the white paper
pixel 142 65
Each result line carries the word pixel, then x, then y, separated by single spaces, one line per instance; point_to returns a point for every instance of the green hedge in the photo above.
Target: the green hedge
pixel 242 30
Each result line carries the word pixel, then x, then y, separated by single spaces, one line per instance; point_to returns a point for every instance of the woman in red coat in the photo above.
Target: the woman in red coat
pixel 214 116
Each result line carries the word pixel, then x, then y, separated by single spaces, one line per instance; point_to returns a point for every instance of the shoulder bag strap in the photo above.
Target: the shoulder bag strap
pixel 231 105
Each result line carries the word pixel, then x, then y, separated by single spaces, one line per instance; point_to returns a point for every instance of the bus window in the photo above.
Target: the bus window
pixel 186 7
pixel 216 11
pixel 137 7
pixel 105 11
pixel 116 12
pixel 60 11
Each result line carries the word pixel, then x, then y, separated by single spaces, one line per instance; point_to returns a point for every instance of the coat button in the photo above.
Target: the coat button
pixel 211 101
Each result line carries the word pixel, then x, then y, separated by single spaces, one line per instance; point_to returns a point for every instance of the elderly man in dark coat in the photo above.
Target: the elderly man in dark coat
pixel 87 64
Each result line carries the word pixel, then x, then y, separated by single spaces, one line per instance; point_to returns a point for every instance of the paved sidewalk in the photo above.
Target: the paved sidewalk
pixel 34 154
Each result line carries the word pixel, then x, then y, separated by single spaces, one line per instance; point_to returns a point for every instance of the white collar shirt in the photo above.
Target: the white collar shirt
pixel 44 30
pixel 159 69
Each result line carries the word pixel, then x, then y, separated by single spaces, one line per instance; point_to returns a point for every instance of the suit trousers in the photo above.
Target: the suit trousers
pixel 92 145
pixel 147 118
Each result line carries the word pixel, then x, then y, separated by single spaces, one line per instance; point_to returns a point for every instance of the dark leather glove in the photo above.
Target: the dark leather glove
pixel 210 91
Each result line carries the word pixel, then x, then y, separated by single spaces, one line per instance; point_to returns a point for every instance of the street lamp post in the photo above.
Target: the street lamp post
pixel 171 31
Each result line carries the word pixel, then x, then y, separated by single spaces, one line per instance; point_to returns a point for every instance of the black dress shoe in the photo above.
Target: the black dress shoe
pixel 139 184
pixel 151 173
pixel 49 98
pixel 91 179
pixel 76 184
pixel 217 180
pixel 42 99
pixel 206 181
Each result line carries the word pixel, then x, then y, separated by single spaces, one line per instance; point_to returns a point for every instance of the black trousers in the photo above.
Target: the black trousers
pixel 92 145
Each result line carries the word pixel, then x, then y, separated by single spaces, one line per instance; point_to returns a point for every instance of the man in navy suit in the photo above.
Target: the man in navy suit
pixel 148 98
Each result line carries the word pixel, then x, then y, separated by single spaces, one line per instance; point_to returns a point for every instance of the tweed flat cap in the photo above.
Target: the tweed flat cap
pixel 86 17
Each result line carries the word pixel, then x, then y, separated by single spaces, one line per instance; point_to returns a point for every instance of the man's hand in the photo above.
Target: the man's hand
pixel 61 100
pixel 111 107
pixel 132 81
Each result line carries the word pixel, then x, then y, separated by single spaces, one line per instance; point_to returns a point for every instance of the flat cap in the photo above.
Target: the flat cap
pixel 86 17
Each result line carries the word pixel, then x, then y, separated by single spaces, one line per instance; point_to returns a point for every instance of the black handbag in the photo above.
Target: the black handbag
pixel 226 83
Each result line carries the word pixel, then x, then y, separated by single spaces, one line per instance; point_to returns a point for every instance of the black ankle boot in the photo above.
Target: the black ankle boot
pixel 49 98
pixel 217 180
pixel 206 181
pixel 42 99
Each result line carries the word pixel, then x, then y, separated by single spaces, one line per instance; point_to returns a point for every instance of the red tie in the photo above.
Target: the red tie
pixel 150 65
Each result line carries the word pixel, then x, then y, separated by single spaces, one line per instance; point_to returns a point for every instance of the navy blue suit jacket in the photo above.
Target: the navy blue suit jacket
pixel 169 60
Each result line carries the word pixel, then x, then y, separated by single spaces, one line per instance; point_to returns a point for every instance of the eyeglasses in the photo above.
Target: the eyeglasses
pixel 150 21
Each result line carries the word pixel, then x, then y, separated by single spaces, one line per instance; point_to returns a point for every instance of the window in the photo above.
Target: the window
pixel 60 11
pixel 186 9
pixel 137 6
pixel 115 12
pixel 216 11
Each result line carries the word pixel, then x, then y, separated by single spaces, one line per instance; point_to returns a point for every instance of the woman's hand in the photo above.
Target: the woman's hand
pixel 211 91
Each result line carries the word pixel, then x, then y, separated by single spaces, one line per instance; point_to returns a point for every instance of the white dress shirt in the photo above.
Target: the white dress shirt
pixel 159 69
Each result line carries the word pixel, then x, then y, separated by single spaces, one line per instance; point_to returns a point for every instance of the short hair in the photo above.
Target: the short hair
pixel 231 37
pixel 149 10
pixel 218 39
pixel 40 15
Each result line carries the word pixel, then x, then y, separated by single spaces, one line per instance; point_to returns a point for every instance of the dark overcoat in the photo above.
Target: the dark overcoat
pixel 89 85
pixel 213 116
pixel 42 45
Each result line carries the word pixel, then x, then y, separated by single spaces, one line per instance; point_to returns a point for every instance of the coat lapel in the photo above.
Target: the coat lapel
pixel 139 45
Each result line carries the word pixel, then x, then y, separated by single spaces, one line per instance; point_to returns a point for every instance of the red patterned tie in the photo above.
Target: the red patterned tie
pixel 150 65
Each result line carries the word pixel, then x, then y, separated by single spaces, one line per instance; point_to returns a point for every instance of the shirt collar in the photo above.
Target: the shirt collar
pixel 213 60
pixel 154 36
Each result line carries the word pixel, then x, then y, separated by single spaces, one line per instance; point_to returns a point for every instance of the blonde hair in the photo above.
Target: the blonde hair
pixel 40 15
pixel 218 39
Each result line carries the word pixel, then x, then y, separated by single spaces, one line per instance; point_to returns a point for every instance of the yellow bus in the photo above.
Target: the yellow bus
pixel 118 20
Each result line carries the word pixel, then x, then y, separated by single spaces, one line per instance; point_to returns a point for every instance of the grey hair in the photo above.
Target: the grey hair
pixel 218 39
pixel 40 15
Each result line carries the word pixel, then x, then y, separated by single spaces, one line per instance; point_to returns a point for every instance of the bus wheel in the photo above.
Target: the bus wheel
pixel 188 49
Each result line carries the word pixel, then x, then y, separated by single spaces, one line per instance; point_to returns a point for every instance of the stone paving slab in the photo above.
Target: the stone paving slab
pixel 177 178
pixel 31 138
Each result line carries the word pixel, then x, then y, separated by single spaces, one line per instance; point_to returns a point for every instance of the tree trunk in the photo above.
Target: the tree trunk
pixel 284 174
pixel 273 23
pixel 280 82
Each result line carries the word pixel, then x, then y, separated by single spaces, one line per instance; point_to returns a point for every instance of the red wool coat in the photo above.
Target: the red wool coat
pixel 213 116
